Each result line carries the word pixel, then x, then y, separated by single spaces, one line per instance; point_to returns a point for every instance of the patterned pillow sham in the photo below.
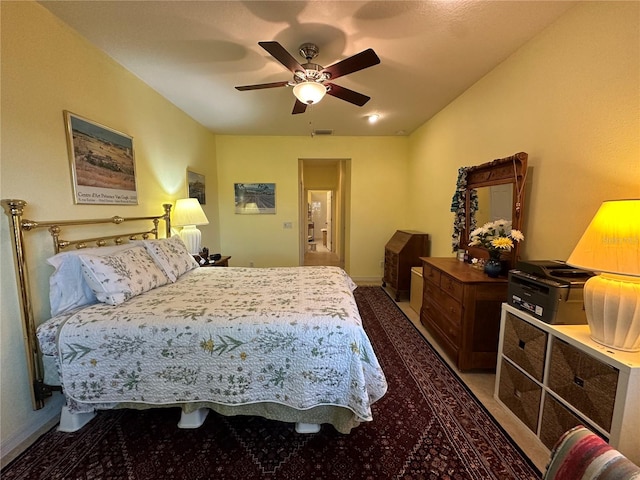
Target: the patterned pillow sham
pixel 68 289
pixel 116 278
pixel 171 255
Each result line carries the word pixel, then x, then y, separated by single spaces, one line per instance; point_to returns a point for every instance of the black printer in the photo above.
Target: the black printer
pixel 550 290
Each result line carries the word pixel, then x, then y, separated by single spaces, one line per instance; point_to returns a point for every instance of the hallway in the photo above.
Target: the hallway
pixel 321 256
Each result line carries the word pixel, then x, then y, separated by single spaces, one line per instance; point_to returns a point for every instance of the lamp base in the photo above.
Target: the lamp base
pixel 612 304
pixel 191 237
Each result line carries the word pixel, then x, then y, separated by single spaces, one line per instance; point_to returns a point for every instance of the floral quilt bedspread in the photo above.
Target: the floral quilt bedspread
pixel 229 335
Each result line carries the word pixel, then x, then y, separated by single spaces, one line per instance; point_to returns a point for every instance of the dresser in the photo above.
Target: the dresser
pixel 555 377
pixel 461 309
pixel 402 252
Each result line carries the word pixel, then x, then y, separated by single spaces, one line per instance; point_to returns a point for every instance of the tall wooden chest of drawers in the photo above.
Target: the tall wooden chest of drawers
pixel 554 377
pixel 461 309
pixel 402 252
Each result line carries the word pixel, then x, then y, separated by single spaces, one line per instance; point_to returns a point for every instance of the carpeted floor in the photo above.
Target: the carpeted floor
pixel 428 426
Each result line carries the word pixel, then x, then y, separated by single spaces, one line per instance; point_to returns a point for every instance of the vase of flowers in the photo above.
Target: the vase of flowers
pixel 496 237
pixel 493 266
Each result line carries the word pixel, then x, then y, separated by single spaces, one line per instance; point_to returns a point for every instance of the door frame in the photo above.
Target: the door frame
pixel 340 207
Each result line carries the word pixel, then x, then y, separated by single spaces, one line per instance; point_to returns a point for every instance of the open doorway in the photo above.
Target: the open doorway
pixel 320 220
pixel 322 207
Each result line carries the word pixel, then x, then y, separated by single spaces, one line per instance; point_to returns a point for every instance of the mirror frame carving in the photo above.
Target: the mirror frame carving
pixel 502 171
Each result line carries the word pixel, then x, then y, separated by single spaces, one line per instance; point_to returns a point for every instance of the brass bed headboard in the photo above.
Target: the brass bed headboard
pixel 18 226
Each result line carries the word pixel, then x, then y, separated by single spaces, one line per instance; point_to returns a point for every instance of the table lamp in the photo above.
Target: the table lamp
pixel 187 214
pixel 611 246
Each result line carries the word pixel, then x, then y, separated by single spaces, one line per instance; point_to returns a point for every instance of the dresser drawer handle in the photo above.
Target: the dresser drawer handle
pixel 578 381
pixel 517 393
pixel 521 344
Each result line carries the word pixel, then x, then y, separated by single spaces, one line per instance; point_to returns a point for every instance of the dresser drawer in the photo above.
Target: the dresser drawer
pixel 391 260
pixel 452 287
pixel 584 382
pixel 432 315
pixel 431 274
pixel 390 273
pixel 447 304
pixel 525 345
pixel 520 394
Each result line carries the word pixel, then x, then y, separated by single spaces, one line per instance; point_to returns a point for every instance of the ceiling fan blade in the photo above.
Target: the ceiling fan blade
pixel 359 61
pixel 262 85
pixel 299 107
pixel 347 95
pixel 278 52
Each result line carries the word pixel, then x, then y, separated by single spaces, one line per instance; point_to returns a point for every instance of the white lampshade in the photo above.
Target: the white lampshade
pixel 188 213
pixel 611 246
pixel 309 92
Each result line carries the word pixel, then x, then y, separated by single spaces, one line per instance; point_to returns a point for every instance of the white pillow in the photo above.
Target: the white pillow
pixel 67 287
pixel 171 255
pixel 116 278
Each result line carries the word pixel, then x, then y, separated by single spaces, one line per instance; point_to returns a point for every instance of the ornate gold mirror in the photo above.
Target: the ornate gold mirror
pixel 494 191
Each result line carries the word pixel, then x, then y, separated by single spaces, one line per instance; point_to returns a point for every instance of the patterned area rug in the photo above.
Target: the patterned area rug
pixel 428 426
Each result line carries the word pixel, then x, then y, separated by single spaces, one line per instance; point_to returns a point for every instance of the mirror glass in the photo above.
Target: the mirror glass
pixel 494 203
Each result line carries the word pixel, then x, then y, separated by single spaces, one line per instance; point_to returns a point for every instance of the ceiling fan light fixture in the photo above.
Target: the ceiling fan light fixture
pixel 309 92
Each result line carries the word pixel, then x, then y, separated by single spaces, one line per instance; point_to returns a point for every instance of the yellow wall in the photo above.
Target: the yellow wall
pixel 47 68
pixel 378 204
pixel 321 177
pixel 570 98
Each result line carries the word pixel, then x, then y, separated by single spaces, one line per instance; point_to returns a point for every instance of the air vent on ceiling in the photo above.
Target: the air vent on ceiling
pixel 323 132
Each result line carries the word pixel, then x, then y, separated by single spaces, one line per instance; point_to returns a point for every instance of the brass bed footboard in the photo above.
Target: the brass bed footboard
pixel 18 227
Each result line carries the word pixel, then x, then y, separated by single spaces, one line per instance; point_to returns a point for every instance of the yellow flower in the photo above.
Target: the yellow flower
pixel 502 242
pixel 93 362
pixel 243 356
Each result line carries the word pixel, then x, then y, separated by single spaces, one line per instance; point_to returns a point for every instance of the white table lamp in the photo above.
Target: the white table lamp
pixel 611 246
pixel 188 214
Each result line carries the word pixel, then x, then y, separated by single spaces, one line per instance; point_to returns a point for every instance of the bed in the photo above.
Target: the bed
pixel 141 325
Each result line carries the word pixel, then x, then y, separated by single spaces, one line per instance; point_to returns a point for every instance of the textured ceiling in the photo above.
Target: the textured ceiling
pixel 194 53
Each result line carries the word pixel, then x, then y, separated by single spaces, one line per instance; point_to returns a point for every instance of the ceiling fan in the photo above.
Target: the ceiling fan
pixel 311 81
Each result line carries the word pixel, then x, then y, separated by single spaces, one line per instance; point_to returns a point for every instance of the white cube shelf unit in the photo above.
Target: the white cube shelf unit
pixel 553 377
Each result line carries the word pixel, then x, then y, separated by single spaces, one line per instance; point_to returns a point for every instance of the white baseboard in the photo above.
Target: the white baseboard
pixel 367 281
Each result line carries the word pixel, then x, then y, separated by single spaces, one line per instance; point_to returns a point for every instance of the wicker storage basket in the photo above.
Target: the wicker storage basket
pixel 520 394
pixel 557 419
pixel 526 345
pixel 584 382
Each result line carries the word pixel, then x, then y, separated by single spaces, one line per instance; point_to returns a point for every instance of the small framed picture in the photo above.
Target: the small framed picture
pixel 103 166
pixel 196 186
pixel 255 198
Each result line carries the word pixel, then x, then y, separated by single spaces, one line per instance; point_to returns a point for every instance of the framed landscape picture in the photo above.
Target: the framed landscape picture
pixel 255 198
pixel 196 186
pixel 102 163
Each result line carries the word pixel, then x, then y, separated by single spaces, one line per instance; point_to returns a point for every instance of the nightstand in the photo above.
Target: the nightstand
pixel 223 262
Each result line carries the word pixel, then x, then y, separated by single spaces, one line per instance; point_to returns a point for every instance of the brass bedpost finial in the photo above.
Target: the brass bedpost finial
pixel 167 218
pixel 13 207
